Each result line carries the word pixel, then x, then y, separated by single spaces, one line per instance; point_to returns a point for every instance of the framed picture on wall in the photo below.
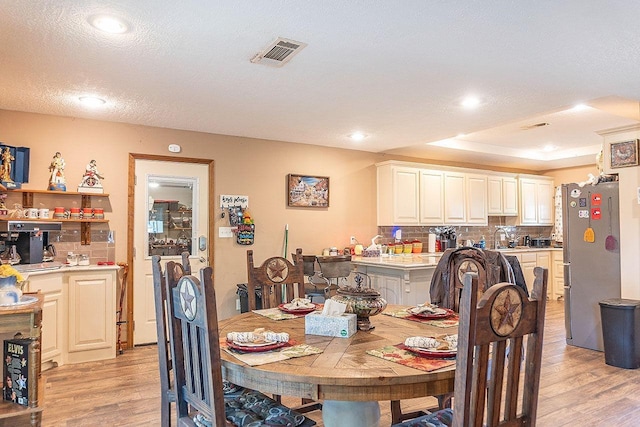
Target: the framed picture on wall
pixel 624 154
pixel 306 191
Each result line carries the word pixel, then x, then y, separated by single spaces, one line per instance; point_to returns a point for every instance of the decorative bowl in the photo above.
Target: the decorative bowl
pixel 363 302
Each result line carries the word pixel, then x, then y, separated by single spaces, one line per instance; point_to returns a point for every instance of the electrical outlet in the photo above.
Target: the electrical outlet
pixel 238 304
pixel 353 240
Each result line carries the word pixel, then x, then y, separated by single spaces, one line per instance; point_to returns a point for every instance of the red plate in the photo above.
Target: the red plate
pixel 299 311
pixel 434 354
pixel 425 315
pixel 255 348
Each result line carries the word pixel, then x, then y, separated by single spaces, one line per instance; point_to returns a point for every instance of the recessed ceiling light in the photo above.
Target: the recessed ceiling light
pixel 470 102
pixel 92 101
pixel 357 136
pixel 580 107
pixel 550 147
pixel 109 24
pixel 460 135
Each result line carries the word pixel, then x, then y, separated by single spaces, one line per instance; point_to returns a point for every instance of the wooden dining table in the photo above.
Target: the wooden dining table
pixel 349 381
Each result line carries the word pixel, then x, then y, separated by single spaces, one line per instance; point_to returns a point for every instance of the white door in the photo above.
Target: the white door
pixel 171 215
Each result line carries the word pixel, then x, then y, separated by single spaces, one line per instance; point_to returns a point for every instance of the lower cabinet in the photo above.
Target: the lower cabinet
pixel 529 260
pixel 79 315
pixel 400 286
pixel 558 274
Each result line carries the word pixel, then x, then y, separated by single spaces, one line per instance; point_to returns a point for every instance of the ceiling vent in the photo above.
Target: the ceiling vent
pixel 278 53
pixel 537 125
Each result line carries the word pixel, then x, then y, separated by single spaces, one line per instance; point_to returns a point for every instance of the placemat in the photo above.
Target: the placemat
pixel 277 314
pixel 288 352
pixel 395 353
pixel 440 323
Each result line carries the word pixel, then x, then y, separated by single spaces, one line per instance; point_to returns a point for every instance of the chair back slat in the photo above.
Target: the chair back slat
pixel 497 376
pixel 198 367
pixel 271 276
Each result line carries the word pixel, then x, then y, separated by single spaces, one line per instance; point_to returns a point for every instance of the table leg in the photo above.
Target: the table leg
pixel 337 413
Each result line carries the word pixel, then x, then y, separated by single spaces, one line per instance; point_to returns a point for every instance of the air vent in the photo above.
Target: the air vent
pixel 537 125
pixel 279 52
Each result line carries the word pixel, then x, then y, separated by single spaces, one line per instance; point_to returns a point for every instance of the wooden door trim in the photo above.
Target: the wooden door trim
pixel 130 222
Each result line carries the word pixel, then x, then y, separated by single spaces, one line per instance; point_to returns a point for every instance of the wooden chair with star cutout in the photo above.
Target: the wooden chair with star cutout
pixel 499 356
pixel 271 277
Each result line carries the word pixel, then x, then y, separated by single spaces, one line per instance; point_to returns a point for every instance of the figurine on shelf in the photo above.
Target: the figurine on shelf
pixel 5 168
pixel 91 179
pixel 57 181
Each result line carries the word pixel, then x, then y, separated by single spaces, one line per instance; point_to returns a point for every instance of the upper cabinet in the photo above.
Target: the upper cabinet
pixel 536 200
pixel 502 195
pixel 411 195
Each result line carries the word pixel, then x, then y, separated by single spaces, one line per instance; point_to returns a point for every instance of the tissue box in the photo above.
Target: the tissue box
pixel 342 326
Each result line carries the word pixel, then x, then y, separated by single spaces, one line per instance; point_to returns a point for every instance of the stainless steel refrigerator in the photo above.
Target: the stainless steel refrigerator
pixel 591 268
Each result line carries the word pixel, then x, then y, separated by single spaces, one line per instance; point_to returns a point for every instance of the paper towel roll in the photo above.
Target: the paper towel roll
pixel 431 247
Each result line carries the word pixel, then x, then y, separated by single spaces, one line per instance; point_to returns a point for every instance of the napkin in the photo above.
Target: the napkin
pixel 441 342
pixel 333 308
pixel 258 335
pixel 299 303
pixel 424 308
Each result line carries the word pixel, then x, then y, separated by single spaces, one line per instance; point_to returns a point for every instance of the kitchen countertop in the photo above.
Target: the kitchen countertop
pixel 424 259
pixel 71 269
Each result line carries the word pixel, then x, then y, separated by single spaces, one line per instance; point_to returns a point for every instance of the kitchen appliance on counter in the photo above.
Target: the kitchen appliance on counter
pixel 539 242
pixel 591 269
pixel 28 237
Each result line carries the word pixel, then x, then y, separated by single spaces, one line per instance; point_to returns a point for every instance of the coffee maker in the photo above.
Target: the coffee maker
pixel 29 237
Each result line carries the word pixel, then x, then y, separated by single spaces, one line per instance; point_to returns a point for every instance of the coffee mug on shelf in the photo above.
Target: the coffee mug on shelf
pixel 31 213
pixel 87 213
pixel 43 213
pixel 74 213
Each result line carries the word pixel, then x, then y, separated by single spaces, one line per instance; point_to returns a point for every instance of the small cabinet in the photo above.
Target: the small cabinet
pixel 502 199
pixel 431 197
pixel 557 277
pixel 529 260
pixel 398 195
pixel 536 201
pixel 465 198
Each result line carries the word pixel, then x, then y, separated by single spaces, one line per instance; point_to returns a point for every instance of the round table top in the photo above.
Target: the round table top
pixel 343 371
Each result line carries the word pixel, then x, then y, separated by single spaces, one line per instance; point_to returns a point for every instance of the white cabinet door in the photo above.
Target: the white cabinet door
pixel 53 315
pixel 398 195
pixel 431 197
pixel 476 200
pixel 509 196
pixel 545 202
pixel 543 259
pixel 454 198
pixel 528 202
pixel 558 274
pixel 495 196
pixel 92 316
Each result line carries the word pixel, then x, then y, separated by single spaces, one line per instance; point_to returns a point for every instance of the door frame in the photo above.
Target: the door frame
pixel 130 222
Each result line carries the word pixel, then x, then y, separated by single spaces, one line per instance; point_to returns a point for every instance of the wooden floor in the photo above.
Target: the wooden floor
pixel 577 388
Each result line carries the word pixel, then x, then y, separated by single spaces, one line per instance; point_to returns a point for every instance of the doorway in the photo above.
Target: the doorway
pixel 170 200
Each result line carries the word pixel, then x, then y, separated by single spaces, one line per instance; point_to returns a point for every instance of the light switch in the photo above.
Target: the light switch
pixel 225 232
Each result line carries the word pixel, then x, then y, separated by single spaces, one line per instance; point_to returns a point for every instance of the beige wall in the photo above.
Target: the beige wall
pixel 244 166
pixel 575 174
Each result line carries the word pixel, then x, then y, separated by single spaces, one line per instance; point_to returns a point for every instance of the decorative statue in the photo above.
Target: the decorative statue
pixel 91 179
pixel 57 181
pixel 5 168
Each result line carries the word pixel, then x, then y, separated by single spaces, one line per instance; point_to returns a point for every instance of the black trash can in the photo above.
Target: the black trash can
pixel 243 293
pixel 620 329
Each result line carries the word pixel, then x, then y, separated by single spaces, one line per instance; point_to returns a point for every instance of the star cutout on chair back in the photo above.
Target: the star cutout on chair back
pixel 188 298
pixel 277 270
pixel 506 312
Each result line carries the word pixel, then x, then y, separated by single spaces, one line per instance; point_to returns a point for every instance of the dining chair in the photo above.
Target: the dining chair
pixel 270 278
pixel 172 275
pixel 203 398
pixel 499 356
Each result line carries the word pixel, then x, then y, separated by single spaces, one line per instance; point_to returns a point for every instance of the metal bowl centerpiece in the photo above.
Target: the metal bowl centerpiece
pixel 361 300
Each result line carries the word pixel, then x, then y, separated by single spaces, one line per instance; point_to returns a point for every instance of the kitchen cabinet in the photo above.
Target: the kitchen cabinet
pixel 26 320
pixel 397 285
pixel 398 195
pixel 454 202
pixel 53 309
pixel 465 198
pixel 431 197
pixel 529 260
pixel 502 199
pixel 92 316
pixel 557 278
pixel 28 201
pixel 536 201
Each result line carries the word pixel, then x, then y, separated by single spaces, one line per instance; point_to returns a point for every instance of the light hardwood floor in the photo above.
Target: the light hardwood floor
pixel 577 388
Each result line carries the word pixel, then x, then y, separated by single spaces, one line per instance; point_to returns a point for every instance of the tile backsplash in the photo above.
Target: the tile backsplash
pixel 102 247
pixel 465 232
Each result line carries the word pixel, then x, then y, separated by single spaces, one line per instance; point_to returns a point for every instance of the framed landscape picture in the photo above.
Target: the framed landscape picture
pixel 306 191
pixel 624 154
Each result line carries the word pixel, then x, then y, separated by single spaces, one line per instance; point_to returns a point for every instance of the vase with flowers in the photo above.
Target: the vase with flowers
pixel 11 282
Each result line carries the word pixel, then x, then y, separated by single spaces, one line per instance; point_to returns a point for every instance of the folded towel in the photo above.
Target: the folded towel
pixel 299 303
pixel 258 336
pixel 424 308
pixel 440 342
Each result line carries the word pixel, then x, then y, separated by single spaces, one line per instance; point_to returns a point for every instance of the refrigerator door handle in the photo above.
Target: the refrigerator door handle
pixel 567 312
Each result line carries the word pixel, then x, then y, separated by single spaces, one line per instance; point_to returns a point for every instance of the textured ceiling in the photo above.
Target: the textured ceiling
pixel 395 70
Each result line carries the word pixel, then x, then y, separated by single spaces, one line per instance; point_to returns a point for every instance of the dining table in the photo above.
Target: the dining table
pixel 349 381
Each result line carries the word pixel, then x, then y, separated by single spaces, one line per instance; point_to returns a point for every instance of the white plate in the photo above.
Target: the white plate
pixel 25 300
pixel 255 344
